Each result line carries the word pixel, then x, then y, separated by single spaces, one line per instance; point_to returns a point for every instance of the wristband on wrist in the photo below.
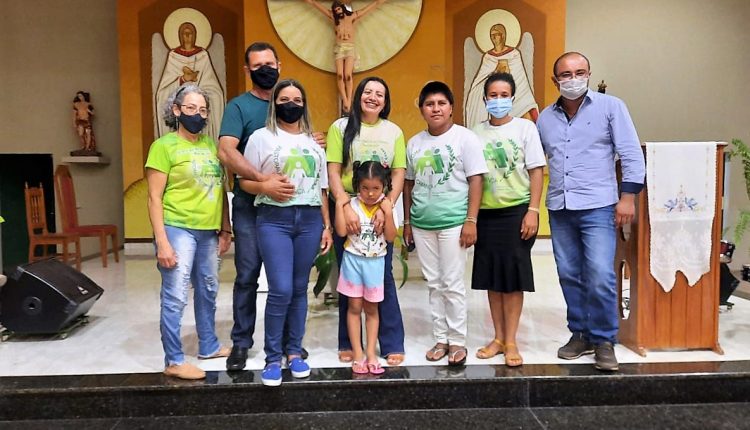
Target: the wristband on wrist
pixel 225 231
pixel 471 219
pixel 533 209
pixel 407 222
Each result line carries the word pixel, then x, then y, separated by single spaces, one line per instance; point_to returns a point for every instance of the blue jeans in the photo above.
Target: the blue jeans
pixel 289 240
pixel 583 242
pixel 247 263
pixel 391 328
pixel 197 264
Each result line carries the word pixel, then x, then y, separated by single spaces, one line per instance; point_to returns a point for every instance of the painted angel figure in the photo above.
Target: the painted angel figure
pixel 188 62
pixel 344 18
pixel 518 61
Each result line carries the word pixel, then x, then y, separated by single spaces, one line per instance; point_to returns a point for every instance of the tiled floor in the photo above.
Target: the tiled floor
pixel 123 333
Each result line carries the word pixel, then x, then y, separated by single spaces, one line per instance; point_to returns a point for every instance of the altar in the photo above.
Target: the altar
pixel 686 317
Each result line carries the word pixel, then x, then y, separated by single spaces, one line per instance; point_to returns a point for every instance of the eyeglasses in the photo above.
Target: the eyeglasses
pixel 193 109
pixel 566 76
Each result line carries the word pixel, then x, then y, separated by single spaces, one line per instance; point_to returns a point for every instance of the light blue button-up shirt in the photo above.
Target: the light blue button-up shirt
pixel 581 153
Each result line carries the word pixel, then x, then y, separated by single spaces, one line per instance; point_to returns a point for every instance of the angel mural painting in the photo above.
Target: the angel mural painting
pixel 501 57
pixel 186 32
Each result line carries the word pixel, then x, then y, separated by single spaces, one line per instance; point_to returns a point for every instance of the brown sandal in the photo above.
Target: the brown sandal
pixel 394 359
pixel 346 356
pixel 485 352
pixel 437 352
pixel 512 359
pixel 452 356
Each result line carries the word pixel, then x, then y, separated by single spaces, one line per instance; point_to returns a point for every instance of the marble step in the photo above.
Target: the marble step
pixel 684 416
pixel 418 388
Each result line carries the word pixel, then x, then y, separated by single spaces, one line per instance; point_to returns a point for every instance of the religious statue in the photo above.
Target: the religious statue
pixel 188 62
pixel 83 113
pixel 501 58
pixel 344 49
pixel 602 87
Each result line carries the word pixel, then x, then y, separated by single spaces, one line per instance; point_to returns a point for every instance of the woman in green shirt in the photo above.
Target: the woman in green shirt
pixel 367 135
pixel 508 217
pixel 188 212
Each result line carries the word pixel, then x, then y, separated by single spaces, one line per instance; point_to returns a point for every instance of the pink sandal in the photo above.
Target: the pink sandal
pixel 375 368
pixel 360 367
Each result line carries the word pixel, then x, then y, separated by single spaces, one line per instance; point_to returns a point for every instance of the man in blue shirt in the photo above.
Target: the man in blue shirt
pixel 582 133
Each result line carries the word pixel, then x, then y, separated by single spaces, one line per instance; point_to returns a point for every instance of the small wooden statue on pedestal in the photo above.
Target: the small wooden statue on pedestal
pixel 83 113
pixel 602 87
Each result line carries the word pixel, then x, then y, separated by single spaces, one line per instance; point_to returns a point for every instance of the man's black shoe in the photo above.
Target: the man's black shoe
pixel 605 357
pixel 304 354
pixel 576 347
pixel 237 358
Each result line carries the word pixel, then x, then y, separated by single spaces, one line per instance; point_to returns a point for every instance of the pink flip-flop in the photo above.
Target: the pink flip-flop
pixel 375 368
pixel 360 367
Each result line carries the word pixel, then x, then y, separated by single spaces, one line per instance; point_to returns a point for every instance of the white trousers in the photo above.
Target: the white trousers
pixel 443 263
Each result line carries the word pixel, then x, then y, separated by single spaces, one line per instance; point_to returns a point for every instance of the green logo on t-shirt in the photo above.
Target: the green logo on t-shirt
pixel 207 173
pixel 300 164
pixel 498 161
pixel 431 164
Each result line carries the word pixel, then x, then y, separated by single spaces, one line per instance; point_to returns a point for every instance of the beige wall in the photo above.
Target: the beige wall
pixel 53 49
pixel 680 65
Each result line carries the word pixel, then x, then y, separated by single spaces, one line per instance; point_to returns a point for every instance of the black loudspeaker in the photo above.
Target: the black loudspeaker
pixel 45 297
pixel 727 284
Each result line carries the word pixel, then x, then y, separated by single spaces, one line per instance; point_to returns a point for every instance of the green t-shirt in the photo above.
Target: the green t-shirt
pixel 382 141
pixel 440 167
pixel 510 151
pixel 243 115
pixel 193 196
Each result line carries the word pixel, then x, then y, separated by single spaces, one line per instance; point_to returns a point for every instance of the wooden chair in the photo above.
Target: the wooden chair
pixel 36 222
pixel 66 201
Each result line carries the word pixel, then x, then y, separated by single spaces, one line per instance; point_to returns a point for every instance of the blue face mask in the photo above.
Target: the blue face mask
pixel 499 108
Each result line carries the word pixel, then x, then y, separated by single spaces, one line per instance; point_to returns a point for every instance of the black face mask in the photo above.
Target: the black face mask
pixel 289 112
pixel 192 123
pixel 265 77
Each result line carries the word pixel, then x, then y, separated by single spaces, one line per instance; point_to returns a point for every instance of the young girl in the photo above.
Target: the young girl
pixel 367 134
pixel 363 265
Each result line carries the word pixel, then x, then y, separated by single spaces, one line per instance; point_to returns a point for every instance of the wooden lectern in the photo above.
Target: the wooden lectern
pixel 684 318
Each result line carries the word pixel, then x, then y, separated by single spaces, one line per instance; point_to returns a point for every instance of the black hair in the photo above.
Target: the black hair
pixel 504 77
pixel 334 5
pixel 435 87
pixel 86 96
pixel 370 170
pixel 568 54
pixel 258 47
pixel 354 123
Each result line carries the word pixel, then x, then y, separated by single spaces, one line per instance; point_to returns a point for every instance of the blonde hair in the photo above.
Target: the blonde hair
pixel 272 121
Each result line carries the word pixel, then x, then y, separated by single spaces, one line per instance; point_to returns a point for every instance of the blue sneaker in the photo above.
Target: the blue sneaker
pixel 299 368
pixel 271 375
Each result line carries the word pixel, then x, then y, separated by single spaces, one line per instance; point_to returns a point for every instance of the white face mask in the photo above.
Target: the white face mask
pixel 574 88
